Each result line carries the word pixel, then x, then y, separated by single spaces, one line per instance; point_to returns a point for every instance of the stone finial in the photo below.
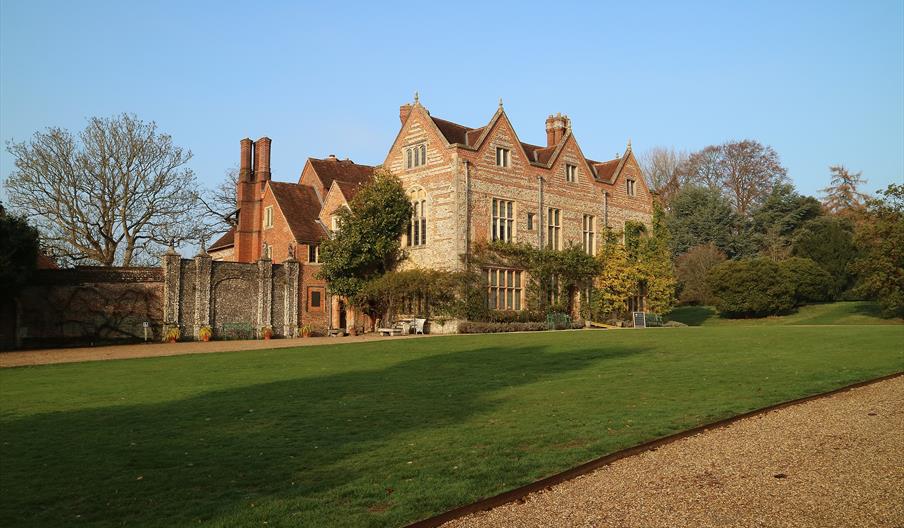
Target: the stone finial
pixel 617 155
pixel 500 102
pixel 290 250
pixel 172 247
pixel 629 143
pixel 416 98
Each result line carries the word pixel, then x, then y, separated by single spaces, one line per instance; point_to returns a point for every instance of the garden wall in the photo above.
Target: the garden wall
pixel 98 305
pixel 89 305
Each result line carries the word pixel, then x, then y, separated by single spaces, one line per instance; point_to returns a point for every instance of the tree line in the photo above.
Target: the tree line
pixel 743 239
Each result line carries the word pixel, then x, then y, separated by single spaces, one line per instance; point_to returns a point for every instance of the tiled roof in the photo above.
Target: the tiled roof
pixel 453 132
pixel 225 241
pixel 349 190
pixel 300 206
pixel 348 171
pixel 605 170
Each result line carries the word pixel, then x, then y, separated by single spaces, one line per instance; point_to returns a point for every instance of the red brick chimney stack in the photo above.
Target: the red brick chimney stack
pixel 254 173
pixel 245 160
pixel 556 125
pixel 262 160
pixel 404 112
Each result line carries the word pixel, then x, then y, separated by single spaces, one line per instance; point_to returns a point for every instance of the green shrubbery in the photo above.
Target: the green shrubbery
pixel 760 287
pixel 751 288
pixel 811 283
pixel 478 327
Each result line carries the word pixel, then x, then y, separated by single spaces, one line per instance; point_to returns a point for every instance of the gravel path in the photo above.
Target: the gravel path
pixel 73 355
pixel 835 461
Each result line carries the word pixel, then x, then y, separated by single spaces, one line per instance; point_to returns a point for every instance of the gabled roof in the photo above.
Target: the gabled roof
pixel 606 170
pixel 470 137
pixel 332 169
pixel 300 207
pixel 349 190
pixel 453 132
pixel 225 241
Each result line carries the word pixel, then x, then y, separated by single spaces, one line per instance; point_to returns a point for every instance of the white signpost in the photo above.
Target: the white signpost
pixel 640 320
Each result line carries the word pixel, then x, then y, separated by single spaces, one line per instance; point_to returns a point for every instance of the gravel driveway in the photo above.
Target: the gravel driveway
pixel 835 461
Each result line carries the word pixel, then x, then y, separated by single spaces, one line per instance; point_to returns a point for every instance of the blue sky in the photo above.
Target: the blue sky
pixel 821 82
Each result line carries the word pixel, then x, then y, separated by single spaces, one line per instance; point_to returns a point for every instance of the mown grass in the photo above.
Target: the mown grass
pixel 383 433
pixel 838 313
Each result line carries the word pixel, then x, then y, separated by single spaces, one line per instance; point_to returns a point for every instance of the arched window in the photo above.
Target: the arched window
pixel 416 155
pixel 417 227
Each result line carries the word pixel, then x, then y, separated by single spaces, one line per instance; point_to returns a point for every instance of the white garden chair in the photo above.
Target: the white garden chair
pixel 419 326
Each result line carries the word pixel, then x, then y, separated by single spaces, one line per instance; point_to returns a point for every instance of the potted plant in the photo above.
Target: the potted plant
pixel 306 331
pixel 205 333
pixel 266 333
pixel 172 334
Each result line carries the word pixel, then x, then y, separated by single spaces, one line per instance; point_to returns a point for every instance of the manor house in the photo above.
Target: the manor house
pixel 467 185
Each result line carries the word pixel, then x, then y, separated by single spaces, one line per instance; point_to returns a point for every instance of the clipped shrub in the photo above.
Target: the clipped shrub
pixel 751 288
pixel 476 327
pixel 811 282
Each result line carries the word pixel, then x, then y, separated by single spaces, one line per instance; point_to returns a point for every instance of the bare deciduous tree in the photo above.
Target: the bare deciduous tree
pixel 751 171
pixel 842 196
pixel 745 171
pixel 666 171
pixel 704 168
pixel 219 203
pixel 116 193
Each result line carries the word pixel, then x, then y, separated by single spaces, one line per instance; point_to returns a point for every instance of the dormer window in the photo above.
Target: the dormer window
pixel 571 172
pixel 503 157
pixel 416 156
pixel 631 187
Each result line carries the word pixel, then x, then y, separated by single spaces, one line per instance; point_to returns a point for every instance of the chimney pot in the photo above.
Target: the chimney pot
pixel 555 128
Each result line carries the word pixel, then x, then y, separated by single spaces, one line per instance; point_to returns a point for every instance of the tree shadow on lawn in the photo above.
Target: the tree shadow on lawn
pixel 297 448
pixel 692 315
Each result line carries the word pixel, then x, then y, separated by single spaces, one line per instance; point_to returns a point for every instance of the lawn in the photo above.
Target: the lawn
pixel 383 433
pixel 839 313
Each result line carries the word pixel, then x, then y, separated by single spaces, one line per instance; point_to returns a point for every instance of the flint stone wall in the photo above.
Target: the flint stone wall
pixel 100 305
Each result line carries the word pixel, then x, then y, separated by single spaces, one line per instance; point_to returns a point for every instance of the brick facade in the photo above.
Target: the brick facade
pixel 451 168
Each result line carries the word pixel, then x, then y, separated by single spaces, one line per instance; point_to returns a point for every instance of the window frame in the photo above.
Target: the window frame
pixel 314 251
pixel 553 229
pixel 631 186
pixel 505 289
pixel 531 221
pixel 503 161
pixel 321 291
pixel 416 236
pixel 503 228
pixel 571 173
pixel 268 217
pixel 416 156
pixel 588 234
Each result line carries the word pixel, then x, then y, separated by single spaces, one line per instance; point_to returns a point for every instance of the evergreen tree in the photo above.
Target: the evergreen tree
pixel 842 196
